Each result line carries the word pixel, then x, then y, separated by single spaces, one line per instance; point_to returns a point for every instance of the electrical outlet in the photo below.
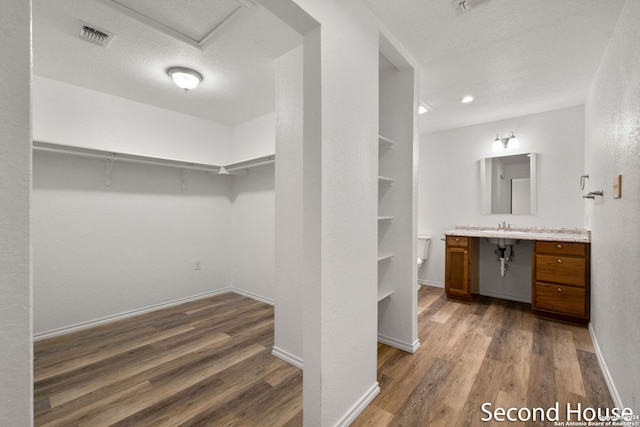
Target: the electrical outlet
pixel 198 265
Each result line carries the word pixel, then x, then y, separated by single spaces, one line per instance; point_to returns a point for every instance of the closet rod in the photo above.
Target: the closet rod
pixel 131 158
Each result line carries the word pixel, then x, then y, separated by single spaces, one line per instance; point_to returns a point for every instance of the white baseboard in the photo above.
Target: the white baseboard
pixel 131 313
pixel 605 371
pixel 253 296
pixel 408 347
pixel 432 284
pixel 500 295
pixel 360 406
pixel 287 357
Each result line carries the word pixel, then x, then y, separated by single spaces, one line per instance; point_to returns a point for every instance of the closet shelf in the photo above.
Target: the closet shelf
pixel 235 168
pixel 384 257
pixel 385 142
pixel 385 180
pixel 242 167
pixel 382 295
pixel 122 157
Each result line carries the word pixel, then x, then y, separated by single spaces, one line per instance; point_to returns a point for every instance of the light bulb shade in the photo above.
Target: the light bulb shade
pixel 185 78
pixel 497 144
pixel 513 141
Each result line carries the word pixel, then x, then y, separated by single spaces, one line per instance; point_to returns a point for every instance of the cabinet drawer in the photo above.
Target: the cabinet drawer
pixel 457 241
pixel 560 299
pixel 561 269
pixel 561 248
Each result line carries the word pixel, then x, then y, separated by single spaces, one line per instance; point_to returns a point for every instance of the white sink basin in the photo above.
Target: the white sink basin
pixel 502 242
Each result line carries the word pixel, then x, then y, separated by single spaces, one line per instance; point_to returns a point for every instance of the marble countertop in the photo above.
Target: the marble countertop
pixel 578 235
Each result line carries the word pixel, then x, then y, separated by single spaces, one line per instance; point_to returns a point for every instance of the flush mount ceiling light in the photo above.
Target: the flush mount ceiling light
pixel 467 99
pixel 503 143
pixel 185 78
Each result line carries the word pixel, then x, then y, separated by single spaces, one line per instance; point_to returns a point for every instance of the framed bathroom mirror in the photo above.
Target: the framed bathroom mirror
pixel 508 185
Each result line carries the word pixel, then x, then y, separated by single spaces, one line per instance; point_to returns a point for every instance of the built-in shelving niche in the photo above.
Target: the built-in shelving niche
pixel 384 219
pixel 397 274
pixel 236 168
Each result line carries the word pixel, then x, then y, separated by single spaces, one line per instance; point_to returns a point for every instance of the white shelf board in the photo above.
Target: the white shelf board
pixel 386 218
pixel 122 157
pixel 243 166
pixel 385 180
pixel 385 142
pixel 382 295
pixel 384 257
pixel 235 168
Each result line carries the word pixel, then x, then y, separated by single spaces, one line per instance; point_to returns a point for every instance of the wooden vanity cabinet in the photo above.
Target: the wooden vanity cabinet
pixel 560 281
pixel 461 282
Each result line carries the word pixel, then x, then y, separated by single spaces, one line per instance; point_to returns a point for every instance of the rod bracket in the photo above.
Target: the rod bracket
pixel 108 169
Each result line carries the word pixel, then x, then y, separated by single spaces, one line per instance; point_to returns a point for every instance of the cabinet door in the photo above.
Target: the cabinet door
pixel 457 274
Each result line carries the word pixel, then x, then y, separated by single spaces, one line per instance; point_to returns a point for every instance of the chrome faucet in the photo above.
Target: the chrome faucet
pixel 502 225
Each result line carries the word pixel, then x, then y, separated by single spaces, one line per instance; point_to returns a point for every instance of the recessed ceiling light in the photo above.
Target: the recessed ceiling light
pixel 467 99
pixel 185 78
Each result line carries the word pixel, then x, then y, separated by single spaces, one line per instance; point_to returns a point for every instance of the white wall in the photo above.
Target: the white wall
pixel 253 211
pixel 613 148
pixel 252 225
pixel 254 138
pixel 116 124
pixel 16 390
pixel 289 231
pixel 100 251
pixel 449 188
pixel 340 210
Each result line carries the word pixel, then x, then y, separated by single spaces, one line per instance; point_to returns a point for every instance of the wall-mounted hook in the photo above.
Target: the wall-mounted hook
pixel 593 194
pixel 583 180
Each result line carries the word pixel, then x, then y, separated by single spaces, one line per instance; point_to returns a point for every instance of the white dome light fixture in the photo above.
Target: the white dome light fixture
pixel 185 78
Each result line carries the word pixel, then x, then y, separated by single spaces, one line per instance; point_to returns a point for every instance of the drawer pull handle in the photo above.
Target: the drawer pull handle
pixel 457 240
pixel 465 252
pixel 559 289
pixel 559 246
pixel 560 261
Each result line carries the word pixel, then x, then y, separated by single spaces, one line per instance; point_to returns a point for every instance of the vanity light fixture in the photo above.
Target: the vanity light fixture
pixel 503 143
pixel 466 99
pixel 185 78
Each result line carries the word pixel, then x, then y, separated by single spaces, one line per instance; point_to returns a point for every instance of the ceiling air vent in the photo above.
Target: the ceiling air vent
pixel 93 34
pixel 462 6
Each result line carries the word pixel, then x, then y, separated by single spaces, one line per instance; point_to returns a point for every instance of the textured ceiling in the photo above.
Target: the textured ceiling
pixel 237 62
pixel 515 57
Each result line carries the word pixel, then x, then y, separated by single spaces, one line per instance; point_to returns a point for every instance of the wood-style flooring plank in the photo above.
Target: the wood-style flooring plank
pixel 209 363
pixel 192 364
pixel 493 351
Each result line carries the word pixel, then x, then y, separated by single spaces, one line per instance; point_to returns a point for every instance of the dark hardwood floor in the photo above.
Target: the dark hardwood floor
pixel 209 363
pixel 205 363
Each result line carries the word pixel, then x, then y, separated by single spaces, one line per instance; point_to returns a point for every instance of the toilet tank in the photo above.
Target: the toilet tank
pixel 424 244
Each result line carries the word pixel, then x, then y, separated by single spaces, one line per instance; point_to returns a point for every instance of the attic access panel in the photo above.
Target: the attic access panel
pixel 192 21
